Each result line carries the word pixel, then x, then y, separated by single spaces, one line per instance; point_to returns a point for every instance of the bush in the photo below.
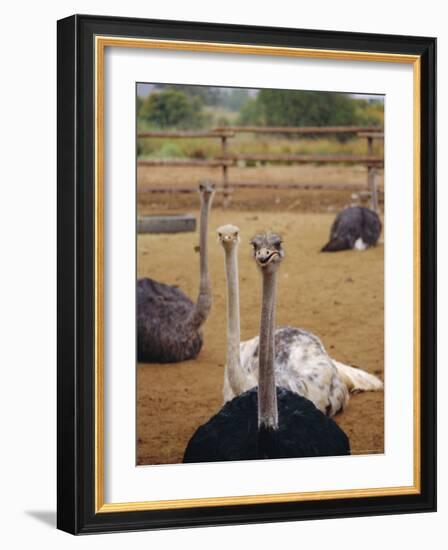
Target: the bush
pixel 170 150
pixel 172 109
pixel 222 122
pixel 370 113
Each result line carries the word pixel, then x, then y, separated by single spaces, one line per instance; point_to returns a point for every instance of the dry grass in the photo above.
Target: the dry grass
pixel 249 143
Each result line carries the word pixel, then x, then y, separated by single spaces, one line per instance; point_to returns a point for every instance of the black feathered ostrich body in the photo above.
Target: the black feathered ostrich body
pixel 268 421
pixel 169 324
pixel 356 227
pixel 233 433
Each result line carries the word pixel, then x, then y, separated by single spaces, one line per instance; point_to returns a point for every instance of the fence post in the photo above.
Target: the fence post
pixel 372 183
pixel 371 177
pixel 225 175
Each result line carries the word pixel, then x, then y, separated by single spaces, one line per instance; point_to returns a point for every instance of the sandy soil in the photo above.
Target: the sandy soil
pixel 337 296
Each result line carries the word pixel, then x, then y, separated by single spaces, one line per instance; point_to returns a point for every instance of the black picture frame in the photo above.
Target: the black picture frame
pixel 76 254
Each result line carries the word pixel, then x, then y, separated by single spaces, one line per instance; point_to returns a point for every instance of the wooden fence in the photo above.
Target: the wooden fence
pixel 227 159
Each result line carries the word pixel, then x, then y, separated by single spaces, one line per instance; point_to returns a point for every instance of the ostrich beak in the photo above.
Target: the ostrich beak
pixel 264 256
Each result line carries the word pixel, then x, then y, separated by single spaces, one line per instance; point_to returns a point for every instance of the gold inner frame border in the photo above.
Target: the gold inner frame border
pixel 101 42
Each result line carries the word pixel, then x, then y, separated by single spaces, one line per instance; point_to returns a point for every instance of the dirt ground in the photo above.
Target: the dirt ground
pixel 337 296
pixel 309 200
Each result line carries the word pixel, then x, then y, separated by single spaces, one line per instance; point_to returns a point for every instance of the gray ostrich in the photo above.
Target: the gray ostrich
pixel 169 324
pixel 301 363
pixel 356 227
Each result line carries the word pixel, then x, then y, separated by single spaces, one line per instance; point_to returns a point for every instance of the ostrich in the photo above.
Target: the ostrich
pixel 356 227
pixel 301 362
pixel 168 322
pixel 268 421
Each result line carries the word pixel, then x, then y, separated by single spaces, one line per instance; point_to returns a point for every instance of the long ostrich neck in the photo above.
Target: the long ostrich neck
pixel 267 394
pixel 204 301
pixel 233 363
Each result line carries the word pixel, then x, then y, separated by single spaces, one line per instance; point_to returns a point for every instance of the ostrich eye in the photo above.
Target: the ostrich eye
pixel 219 235
pixel 255 242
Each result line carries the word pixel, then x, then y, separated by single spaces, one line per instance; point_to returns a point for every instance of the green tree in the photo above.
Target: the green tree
pixel 138 104
pixel 370 112
pixel 252 113
pixel 234 98
pixel 208 95
pixel 172 109
pixel 299 108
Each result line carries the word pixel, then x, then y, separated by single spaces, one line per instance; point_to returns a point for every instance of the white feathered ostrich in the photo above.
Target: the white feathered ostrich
pixel 301 363
pixel 169 324
pixel 269 421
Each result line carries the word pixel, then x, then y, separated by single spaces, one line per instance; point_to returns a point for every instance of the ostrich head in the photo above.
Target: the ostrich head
pixel 206 190
pixel 267 251
pixel 228 235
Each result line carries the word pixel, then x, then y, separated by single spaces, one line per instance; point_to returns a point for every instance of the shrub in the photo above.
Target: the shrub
pixel 170 150
pixel 172 109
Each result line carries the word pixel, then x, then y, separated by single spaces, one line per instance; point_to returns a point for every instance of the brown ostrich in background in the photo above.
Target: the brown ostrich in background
pixel 169 324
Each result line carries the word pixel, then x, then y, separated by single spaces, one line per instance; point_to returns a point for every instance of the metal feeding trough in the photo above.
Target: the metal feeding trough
pixel 166 224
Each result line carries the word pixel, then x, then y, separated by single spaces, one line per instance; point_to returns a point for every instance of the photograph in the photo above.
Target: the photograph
pixel 260 273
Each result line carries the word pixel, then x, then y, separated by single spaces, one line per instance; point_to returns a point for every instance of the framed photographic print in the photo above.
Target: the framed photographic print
pixel 246 274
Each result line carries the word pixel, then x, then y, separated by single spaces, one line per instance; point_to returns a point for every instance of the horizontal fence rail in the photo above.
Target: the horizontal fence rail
pixel 186 162
pixel 371 135
pixel 299 129
pixel 257 184
pixel 304 159
pixel 187 134
pixel 182 190
pixel 226 159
